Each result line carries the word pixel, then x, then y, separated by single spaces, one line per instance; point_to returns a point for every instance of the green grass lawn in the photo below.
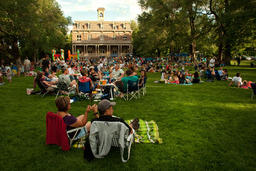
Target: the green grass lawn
pixel 208 126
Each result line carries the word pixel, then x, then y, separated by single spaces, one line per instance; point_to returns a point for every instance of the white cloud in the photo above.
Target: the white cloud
pixel 71 7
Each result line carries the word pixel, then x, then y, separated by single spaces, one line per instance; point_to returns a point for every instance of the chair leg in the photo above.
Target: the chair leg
pixel 57 94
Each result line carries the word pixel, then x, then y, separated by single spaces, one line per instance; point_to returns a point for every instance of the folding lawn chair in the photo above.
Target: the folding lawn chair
pixel 84 87
pixel 104 132
pixel 56 132
pixel 132 90
pixel 43 88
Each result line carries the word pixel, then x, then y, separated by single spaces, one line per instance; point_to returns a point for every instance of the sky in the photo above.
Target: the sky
pixel 115 10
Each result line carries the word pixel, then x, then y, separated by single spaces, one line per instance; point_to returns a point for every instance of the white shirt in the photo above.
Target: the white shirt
pixel 71 71
pixel 236 80
pixel 117 74
pixel 27 62
pixel 212 62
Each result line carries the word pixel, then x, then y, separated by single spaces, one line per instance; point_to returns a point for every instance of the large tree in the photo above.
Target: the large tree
pixel 30 27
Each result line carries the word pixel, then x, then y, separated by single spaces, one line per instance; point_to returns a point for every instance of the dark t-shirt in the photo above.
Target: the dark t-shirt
pixel 111 119
pixel 69 120
pixel 45 63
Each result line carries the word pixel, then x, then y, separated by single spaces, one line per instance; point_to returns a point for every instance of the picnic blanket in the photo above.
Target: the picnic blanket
pixel 147 133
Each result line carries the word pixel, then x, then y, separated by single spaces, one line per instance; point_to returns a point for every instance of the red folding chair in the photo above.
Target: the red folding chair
pixel 56 131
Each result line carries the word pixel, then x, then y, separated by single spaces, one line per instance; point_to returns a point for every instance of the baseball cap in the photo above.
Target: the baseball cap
pixel 104 105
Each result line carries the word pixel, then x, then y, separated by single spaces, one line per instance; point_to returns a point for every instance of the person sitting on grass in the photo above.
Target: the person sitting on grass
pixel 196 78
pixel 143 78
pixel 175 80
pixel 63 105
pixel 237 80
pixel 1 78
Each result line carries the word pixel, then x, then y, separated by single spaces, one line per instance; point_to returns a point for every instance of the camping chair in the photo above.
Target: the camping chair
pixel 64 88
pixel 84 87
pixel 56 132
pixel 43 88
pixel 253 85
pixel 104 132
pixel 132 90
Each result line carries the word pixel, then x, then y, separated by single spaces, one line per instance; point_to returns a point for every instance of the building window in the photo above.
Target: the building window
pixel 102 37
pixel 78 26
pixel 124 37
pixel 124 26
pixel 101 26
pixel 114 26
pixel 78 37
pixel 89 37
pixel 89 26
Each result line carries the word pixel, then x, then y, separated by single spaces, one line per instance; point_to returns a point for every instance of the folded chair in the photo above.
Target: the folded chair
pixel 106 134
pixel 132 90
pixel 253 85
pixel 56 132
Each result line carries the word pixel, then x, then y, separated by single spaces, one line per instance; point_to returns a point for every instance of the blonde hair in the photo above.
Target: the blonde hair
pixel 62 103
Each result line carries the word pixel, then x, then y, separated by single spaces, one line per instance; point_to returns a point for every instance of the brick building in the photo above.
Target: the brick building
pixel 101 38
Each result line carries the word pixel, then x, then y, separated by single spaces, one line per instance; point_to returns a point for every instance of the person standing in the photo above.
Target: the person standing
pixel 27 64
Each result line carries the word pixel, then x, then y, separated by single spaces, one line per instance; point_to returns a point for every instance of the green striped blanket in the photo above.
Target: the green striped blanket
pixel 147 133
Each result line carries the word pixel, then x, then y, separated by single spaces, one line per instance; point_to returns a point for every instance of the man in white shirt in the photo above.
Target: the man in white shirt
pixel 212 62
pixel 237 80
pixel 117 73
pixel 27 64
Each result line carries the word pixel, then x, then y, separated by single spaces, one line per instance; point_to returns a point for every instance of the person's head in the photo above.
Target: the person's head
pixel 83 72
pixel 129 72
pixel 196 75
pixel 238 74
pixel 105 107
pixel 39 75
pixel 116 67
pixel 54 69
pixel 143 73
pixel 46 69
pixel 65 70
pixel 63 103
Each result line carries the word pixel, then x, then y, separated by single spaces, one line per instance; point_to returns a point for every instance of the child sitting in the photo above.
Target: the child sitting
pixel 1 78
pixel 9 75
pixel 175 80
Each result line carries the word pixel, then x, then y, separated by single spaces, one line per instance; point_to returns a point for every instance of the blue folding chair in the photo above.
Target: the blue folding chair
pixel 84 87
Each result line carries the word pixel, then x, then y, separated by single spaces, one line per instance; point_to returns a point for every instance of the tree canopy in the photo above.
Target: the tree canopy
pixel 31 27
pixel 211 27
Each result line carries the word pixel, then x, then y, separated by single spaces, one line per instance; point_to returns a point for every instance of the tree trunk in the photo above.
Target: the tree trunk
pixel 227 53
pixel 193 50
pixel 220 51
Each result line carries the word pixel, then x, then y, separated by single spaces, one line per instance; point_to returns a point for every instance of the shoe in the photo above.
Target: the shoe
pixel 135 124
